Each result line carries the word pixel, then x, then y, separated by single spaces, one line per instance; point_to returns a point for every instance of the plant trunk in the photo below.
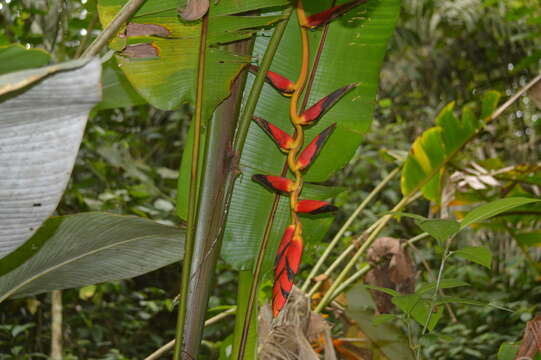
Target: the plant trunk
pixel 216 183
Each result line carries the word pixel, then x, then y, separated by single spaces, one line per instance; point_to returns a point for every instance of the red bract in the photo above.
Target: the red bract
pixel 279 82
pixel 308 155
pixel 328 15
pixel 318 109
pixel 282 139
pixel 275 183
pixel 286 267
pixel 314 207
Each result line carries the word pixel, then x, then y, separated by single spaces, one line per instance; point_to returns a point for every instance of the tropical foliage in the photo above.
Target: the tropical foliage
pixel 171 140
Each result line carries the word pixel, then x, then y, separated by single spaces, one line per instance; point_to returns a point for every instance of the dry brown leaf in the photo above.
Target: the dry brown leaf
pixel 195 9
pixel 531 341
pixel 391 268
pixel 290 335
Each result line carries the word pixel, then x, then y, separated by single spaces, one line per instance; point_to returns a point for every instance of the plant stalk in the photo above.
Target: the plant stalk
pixel 213 320
pixel 218 173
pixel 347 224
pixel 193 206
pixel 56 325
pixel 121 17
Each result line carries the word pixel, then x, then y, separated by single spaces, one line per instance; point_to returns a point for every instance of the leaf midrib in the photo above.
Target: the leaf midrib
pixel 63 263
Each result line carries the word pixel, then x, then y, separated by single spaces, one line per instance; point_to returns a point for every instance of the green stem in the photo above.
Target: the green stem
pixel 257 87
pixel 192 212
pixel 341 277
pixel 346 225
pixel 243 294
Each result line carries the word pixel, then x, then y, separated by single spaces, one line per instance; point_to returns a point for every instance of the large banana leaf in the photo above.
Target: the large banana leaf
pixel 77 250
pixel 43 113
pixel 159 53
pixel 356 42
pixel 431 152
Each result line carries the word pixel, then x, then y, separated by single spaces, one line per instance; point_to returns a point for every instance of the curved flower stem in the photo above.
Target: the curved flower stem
pixel 193 198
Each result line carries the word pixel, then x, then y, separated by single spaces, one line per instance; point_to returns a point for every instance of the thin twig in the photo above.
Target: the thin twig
pixel 121 17
pixel 193 197
pixel 88 35
pixel 171 344
pixel 346 225
pixel 513 98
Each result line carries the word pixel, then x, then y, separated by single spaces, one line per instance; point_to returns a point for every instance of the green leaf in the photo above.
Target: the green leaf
pixel 478 254
pixel 458 300
pixel 159 53
pixel 529 239
pixel 444 284
pixel 385 336
pixel 16 57
pixel 356 42
pixel 430 153
pixel 494 208
pixel 418 308
pixel 383 318
pixel 78 250
pixel 440 229
pixel 117 91
pixel 387 291
pixel 41 127
pixel 508 351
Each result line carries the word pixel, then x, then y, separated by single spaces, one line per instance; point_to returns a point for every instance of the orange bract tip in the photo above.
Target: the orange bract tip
pixel 314 207
pixel 279 82
pixel 308 155
pixel 318 109
pixel 328 15
pixel 280 137
pixel 275 183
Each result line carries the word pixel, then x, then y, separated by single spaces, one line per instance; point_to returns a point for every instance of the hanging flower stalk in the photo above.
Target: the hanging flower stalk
pixel 298 159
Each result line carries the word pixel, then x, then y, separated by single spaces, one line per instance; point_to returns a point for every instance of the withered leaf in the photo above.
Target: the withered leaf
pixel 531 341
pixel 195 10
pixel 391 268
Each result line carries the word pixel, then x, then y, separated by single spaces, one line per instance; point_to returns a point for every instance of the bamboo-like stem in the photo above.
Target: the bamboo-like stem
pixel 213 320
pixel 56 325
pixel 121 17
pixel 347 251
pixel 193 206
pixel 341 277
pixel 513 98
pixel 346 225
pixel 366 268
pixel 217 175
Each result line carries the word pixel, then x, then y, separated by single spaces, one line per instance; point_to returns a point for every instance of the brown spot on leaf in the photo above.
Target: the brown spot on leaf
pixel 391 268
pixel 195 9
pixel 141 51
pixel 134 29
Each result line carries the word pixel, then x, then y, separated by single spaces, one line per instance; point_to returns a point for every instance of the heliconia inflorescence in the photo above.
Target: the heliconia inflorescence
pixel 289 255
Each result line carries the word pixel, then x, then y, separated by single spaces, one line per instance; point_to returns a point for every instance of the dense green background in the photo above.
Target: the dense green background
pixel 442 50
